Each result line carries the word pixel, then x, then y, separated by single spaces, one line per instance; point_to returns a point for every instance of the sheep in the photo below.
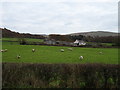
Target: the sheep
pixel 81 57
pixel 62 50
pixel 5 50
pixel 33 50
pixel 70 49
pixel 18 56
pixel 100 53
pixel 2 50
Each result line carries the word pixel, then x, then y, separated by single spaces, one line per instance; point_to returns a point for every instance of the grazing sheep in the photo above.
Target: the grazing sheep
pixel 62 50
pixel 2 50
pixel 5 50
pixel 70 49
pixel 100 53
pixel 81 57
pixel 33 50
pixel 18 56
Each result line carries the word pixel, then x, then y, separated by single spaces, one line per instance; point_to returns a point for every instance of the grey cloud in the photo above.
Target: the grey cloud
pixel 60 17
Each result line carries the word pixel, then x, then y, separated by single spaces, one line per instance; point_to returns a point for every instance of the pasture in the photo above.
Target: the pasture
pixel 16 41
pixel 27 39
pixel 52 54
pixel 27 68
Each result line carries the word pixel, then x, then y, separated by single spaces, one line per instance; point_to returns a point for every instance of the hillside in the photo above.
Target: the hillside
pixel 8 33
pixel 11 34
pixel 96 33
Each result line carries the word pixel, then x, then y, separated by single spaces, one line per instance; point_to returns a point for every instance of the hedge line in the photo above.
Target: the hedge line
pixel 26 75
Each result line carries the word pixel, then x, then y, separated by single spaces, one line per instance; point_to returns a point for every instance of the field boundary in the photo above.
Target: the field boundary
pixel 60 75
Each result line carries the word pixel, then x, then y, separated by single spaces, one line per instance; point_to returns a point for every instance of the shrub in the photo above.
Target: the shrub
pixel 20 75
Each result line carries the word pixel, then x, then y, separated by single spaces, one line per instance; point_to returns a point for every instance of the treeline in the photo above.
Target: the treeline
pixel 97 39
pixel 108 39
pixel 58 37
pixel 69 38
pixel 11 34
pixel 115 40
pixel 25 75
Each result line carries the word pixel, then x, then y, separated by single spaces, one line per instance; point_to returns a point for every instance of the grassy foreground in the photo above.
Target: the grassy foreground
pixel 52 54
pixel 98 76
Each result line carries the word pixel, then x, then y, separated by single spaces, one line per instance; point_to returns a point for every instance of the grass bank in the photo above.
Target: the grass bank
pixel 26 75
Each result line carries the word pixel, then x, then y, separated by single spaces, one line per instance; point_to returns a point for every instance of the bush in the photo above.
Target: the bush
pixel 22 41
pixel 17 75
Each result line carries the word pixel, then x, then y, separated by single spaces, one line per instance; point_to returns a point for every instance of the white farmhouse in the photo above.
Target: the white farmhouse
pixel 79 43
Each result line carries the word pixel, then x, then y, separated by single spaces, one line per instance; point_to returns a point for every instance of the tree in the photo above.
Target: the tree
pixel 22 41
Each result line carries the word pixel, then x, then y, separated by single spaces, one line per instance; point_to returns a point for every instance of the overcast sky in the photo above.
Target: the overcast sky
pixel 59 16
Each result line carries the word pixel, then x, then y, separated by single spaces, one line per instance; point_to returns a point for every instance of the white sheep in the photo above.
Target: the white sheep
pixel 5 50
pixel 2 50
pixel 33 50
pixel 100 53
pixel 81 57
pixel 18 56
pixel 62 50
pixel 70 49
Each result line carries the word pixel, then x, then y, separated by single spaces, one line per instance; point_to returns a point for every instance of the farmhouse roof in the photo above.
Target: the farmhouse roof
pixel 79 41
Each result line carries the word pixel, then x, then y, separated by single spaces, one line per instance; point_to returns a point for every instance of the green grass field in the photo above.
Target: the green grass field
pixel 10 43
pixel 52 54
pixel 17 39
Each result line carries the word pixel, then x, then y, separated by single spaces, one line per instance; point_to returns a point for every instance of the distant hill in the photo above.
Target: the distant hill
pixel 96 33
pixel 11 34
